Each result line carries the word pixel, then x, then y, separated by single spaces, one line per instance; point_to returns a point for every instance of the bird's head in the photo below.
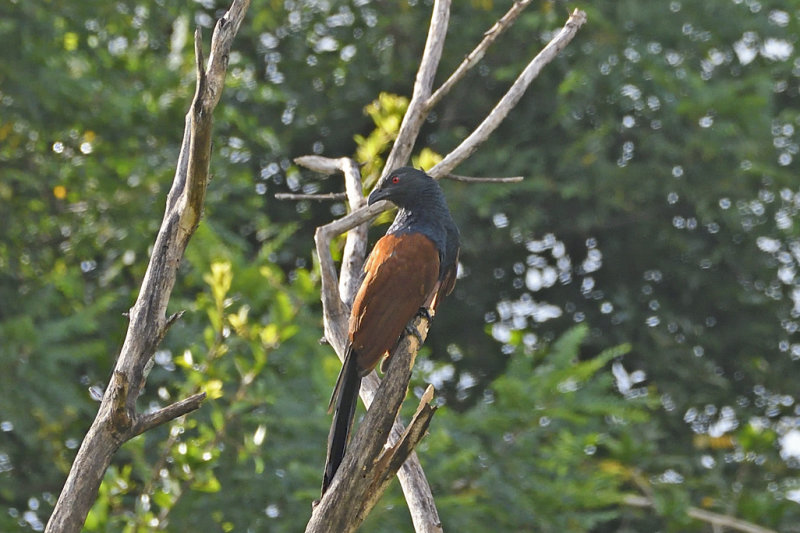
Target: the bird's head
pixel 404 187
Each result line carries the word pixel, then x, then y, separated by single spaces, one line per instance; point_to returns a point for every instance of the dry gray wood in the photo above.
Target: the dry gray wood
pixel 490 123
pixel 335 316
pixel 512 96
pixel 369 464
pixel 483 179
pixel 355 249
pixel 336 196
pixel 117 420
pixel 366 469
pixel 417 107
pixel 355 246
pixel 474 57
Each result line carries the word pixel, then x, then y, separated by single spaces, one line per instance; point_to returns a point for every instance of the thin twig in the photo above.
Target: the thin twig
pixel 315 197
pixel 705 516
pixel 482 179
pixel 171 412
pixel 359 216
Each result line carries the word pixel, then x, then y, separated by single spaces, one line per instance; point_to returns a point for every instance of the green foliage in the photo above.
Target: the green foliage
pixel 250 339
pixel 426 159
pixel 658 210
pixel 543 452
pixel 387 114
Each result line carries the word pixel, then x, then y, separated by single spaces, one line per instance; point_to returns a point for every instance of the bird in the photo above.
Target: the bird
pixel 409 271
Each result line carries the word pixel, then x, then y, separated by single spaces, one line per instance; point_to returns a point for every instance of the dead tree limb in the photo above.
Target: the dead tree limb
pixel 335 316
pixel 118 420
pixel 474 57
pixel 483 179
pixel 355 246
pixel 417 107
pixel 512 96
pixel 334 196
pixel 370 460
pixel 370 464
pixel 471 143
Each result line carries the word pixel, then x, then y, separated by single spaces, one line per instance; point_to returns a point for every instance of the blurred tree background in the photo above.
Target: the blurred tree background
pixel 625 323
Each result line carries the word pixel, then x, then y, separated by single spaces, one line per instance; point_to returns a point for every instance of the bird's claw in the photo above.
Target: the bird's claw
pixel 412 330
pixel 424 312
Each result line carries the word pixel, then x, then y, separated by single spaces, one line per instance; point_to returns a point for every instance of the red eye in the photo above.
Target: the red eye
pixel 395 179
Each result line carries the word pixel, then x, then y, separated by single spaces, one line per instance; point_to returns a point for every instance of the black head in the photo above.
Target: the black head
pixel 405 187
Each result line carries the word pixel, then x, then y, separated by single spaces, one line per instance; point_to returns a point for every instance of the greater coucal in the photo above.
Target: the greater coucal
pixel 411 268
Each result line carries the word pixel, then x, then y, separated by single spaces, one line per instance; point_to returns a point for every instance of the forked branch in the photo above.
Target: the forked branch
pixel 370 463
pixel 418 107
pixel 474 57
pixel 512 96
pixel 366 470
pixel 483 131
pixel 118 420
pixel 335 312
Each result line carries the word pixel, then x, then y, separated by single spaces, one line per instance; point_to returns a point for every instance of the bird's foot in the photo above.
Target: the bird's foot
pixel 424 312
pixel 412 330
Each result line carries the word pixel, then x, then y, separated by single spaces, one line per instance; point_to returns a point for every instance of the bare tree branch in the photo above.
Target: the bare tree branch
pixel 474 57
pixel 417 108
pixel 353 219
pixel 364 473
pixel 335 317
pixel 334 311
pixel 368 465
pixel 399 450
pixel 468 146
pixel 148 421
pixel 510 99
pixel 355 246
pixel 321 164
pixel 117 419
pixel 715 519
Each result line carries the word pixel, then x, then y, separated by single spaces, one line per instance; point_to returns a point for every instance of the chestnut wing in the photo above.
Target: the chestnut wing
pixel 400 275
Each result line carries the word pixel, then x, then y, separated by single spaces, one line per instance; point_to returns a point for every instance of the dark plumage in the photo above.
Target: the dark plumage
pixel 412 266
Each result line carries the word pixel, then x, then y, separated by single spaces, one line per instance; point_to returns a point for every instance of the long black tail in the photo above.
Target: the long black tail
pixel 345 398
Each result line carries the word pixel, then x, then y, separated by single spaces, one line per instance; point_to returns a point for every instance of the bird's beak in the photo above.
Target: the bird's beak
pixel 375 195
